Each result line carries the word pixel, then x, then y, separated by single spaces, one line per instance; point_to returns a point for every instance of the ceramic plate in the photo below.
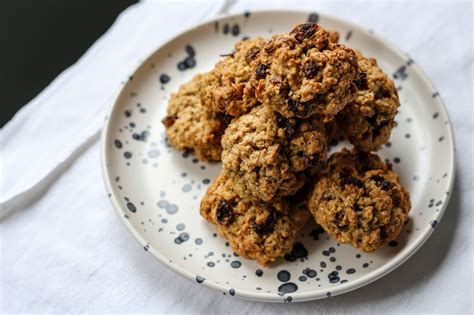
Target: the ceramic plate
pixel 156 190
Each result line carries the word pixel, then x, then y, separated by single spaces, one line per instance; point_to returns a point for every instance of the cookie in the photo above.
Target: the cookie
pixel 190 125
pixel 260 231
pixel 305 73
pixel 369 119
pixel 359 200
pixel 230 90
pixel 267 155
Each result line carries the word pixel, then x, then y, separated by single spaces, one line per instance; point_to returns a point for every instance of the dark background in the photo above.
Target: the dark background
pixel 41 38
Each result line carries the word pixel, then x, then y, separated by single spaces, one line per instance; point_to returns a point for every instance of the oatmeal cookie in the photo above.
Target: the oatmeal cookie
pixel 230 90
pixel 257 231
pixel 369 119
pixel 267 155
pixel 305 73
pixel 192 126
pixel 359 200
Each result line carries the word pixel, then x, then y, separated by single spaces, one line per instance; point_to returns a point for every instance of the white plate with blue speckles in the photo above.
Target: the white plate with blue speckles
pixel 156 190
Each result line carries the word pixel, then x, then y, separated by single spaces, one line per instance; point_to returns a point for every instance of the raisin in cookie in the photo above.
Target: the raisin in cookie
pixel 192 126
pixel 257 231
pixel 305 73
pixel 359 200
pixel 369 119
pixel 267 155
pixel 230 90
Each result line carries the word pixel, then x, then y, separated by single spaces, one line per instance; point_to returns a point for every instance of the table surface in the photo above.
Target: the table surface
pixel 63 249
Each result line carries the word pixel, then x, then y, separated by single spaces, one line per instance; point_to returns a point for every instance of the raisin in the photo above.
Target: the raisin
pixel 396 199
pixel 383 92
pixel 361 82
pixel 356 207
pixel 303 31
pixel 317 100
pixel 287 125
pixel 381 182
pixel 267 226
pixel 303 108
pixel 261 71
pixel 357 182
pixel 376 132
pixel 299 109
pixel 310 69
pixel 372 120
pixel 168 121
pixel 384 123
pixel 385 185
pixel 224 213
pixel 346 179
pixel 377 178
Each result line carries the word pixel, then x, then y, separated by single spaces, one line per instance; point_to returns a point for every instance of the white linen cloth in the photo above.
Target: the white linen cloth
pixel 64 250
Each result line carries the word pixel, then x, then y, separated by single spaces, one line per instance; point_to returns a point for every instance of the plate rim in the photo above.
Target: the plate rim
pixel 271 297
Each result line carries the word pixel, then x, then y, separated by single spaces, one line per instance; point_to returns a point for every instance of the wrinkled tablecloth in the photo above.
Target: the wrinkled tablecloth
pixel 63 249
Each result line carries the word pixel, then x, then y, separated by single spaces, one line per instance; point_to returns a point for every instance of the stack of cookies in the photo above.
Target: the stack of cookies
pixel 268 111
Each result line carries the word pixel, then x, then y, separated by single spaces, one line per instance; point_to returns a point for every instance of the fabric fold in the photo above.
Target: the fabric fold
pixel 49 129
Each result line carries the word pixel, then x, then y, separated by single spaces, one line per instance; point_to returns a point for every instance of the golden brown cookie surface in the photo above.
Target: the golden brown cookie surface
pixel 359 200
pixel 300 74
pixel 267 155
pixel 260 231
pixel 230 90
pixel 369 119
pixel 305 72
pixel 192 126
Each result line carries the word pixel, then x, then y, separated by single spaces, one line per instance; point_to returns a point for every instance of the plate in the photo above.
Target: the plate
pixel 156 190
